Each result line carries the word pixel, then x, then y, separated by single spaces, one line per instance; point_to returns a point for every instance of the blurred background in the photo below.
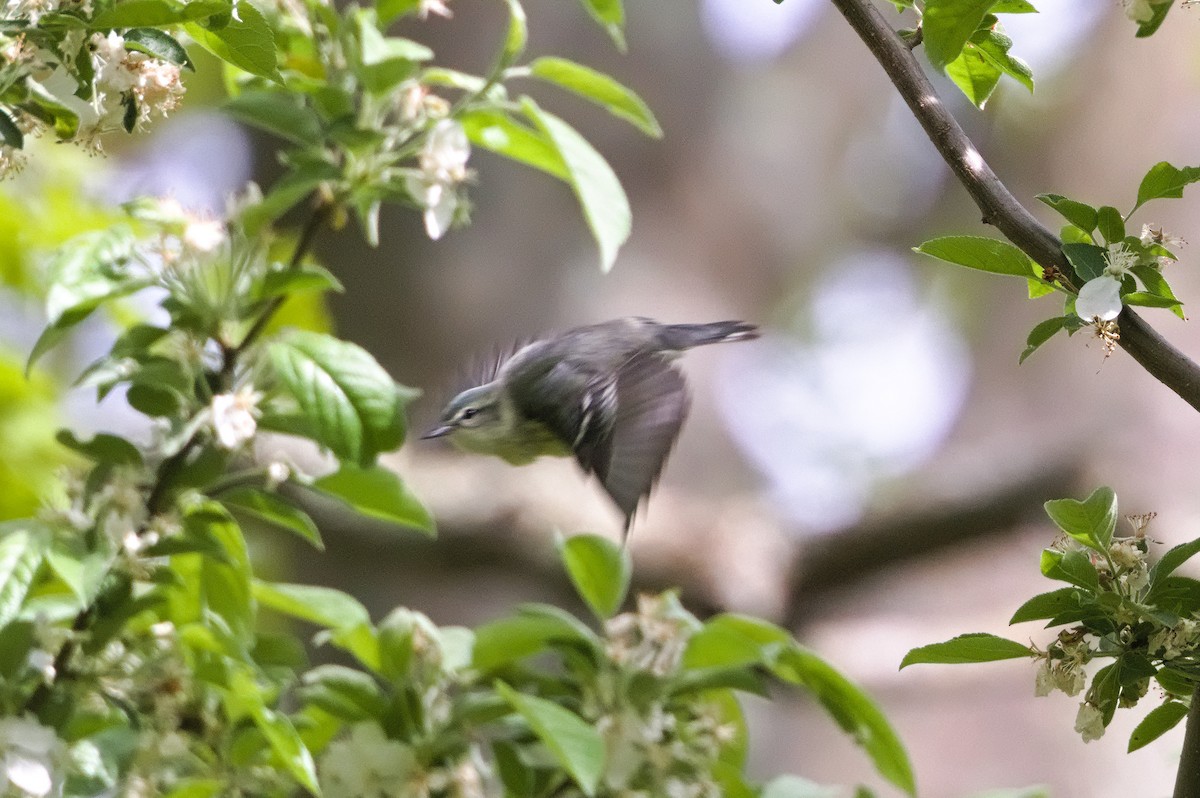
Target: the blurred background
pixel 870 472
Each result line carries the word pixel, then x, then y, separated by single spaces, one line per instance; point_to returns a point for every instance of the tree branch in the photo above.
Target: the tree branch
pixel 1187 780
pixel 1000 208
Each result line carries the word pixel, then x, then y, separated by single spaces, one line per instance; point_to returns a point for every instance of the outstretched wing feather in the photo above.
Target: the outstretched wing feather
pixel 652 402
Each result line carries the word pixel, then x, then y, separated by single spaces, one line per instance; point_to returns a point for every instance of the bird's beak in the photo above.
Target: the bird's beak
pixel 438 432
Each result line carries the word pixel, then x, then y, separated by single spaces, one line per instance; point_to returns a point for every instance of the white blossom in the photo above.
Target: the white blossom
pixel 437 7
pixel 234 417
pixel 1099 298
pixel 367 765
pixel 443 166
pixel 277 473
pixel 42 662
pixel 203 235
pixel 1153 234
pixel 30 758
pixel 1089 722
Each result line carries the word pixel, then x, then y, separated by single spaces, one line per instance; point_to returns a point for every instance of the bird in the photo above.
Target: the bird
pixel 607 394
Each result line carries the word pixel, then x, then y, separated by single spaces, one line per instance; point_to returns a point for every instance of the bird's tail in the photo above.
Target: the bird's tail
pixel 685 336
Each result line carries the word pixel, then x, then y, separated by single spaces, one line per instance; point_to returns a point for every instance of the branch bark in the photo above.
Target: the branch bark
pixel 1000 208
pixel 1187 780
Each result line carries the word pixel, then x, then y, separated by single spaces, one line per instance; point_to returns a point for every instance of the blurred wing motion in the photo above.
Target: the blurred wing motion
pixel 627 449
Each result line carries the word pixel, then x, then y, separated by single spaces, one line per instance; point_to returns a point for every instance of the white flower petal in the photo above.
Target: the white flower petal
pixel 439 215
pixel 1099 298
pixel 28 773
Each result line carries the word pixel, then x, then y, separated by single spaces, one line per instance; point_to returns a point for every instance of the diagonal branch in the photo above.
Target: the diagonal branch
pixel 1000 208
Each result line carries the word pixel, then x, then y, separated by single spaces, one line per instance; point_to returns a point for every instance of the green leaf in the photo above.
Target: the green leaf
pixel 285 741
pixel 386 61
pixel 10 134
pixel 378 493
pixel 83 573
pixel 1073 566
pixel 604 204
pixel 134 13
pixel 1091 521
pixel 322 606
pixel 948 24
pixel 1172 559
pixel 20 557
pixel 1079 214
pixel 517 36
pixel 975 75
pixel 1042 333
pixel 306 277
pixel 730 640
pixel 88 270
pixel 248 44
pixel 611 16
pixel 1087 259
pixel 1159 13
pixel 103 448
pixel 1165 181
pixel 1158 722
pixel 984 254
pixel 1050 605
pixel 533 629
pixel 279 113
pixel 493 130
pixel 574 743
pixel 600 89
pixel 50 109
pixel 1147 300
pixel 344 692
pixel 1157 285
pixel 1110 224
pixel 1013 7
pixel 975 647
pixel 271 509
pixel 156 43
pixel 347 401
pixel 600 571
pixel 994 46
pixel 852 709
pixel 225 585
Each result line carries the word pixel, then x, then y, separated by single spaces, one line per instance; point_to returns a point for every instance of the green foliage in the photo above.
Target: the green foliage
pixel 135 632
pixel 1116 607
pixel 984 254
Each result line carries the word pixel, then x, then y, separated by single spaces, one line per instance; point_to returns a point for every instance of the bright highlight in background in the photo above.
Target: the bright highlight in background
pixel 872 395
pixel 757 30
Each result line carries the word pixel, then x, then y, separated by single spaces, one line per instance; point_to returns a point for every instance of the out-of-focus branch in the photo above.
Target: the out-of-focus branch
pixel 1187 782
pixel 1000 208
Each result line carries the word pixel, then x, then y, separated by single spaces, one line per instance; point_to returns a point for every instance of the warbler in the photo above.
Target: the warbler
pixel 605 393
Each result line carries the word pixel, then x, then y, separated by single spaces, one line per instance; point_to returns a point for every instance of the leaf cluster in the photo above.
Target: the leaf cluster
pixel 1116 606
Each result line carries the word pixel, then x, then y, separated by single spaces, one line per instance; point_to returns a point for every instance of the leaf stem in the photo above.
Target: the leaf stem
pixel 1000 208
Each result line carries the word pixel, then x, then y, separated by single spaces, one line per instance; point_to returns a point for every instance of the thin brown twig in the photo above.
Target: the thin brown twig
pixel 999 207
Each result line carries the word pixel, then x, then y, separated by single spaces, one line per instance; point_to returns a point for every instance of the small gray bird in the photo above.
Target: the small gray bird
pixel 606 393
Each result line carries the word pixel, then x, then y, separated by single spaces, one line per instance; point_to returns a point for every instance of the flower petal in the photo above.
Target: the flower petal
pixel 1099 298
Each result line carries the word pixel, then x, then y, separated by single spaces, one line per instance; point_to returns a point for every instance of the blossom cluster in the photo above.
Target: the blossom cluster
pixel 97 84
pixel 1099 299
pixel 1123 570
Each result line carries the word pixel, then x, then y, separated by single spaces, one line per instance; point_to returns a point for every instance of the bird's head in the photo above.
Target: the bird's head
pixel 473 420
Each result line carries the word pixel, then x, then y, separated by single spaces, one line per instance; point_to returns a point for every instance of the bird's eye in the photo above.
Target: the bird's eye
pixel 468 413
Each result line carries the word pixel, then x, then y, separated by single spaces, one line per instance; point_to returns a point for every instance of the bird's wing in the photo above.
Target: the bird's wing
pixel 652 402
pixel 577 404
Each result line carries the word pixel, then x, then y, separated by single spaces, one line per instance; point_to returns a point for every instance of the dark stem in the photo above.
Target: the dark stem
pixel 1187 778
pixel 1000 208
pixel 156 501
